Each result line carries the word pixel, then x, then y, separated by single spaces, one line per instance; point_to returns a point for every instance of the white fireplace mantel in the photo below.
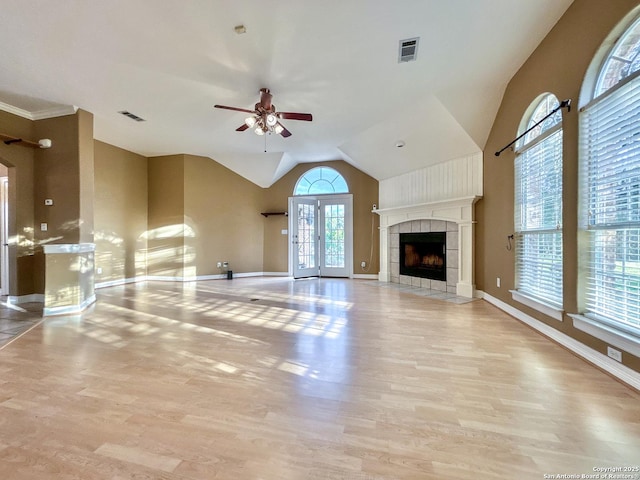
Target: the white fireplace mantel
pixel 458 210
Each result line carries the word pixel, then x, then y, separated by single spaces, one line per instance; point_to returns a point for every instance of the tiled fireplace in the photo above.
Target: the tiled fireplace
pixel 453 217
pixel 403 256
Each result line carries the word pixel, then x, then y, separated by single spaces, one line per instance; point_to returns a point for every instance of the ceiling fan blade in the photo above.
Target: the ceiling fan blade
pixel 265 99
pixel 242 127
pixel 285 133
pixel 307 117
pixel 235 109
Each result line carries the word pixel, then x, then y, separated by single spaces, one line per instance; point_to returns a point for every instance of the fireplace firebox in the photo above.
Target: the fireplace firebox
pixel 424 255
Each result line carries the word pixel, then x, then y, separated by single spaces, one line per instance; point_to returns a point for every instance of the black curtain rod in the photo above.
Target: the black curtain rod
pixel 563 104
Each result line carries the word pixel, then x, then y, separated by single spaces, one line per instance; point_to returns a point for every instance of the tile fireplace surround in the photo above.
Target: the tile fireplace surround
pixel 456 217
pixel 425 226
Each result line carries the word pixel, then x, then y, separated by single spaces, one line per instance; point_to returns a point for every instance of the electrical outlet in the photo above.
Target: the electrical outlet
pixel 43 227
pixel 498 282
pixel 363 264
pixel 219 264
pixel 615 354
pixel 99 270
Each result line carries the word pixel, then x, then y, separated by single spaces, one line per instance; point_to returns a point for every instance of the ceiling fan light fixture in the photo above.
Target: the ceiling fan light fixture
pixel 271 119
pixel 264 119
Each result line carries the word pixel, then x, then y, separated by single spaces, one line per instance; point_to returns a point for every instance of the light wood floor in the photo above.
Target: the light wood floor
pixel 16 319
pixel 273 379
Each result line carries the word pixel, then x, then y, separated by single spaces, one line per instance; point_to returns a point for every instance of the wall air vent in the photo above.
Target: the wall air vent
pixel 408 50
pixel 132 116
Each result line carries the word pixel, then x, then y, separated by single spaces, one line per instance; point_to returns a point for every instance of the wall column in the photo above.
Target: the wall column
pixel 466 269
pixel 384 275
pixel 64 226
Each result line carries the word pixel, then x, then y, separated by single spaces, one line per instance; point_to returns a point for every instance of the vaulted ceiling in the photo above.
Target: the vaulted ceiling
pixel 170 61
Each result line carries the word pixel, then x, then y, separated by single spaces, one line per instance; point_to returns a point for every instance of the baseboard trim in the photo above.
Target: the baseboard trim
pixel 69 309
pixel 115 283
pixel 165 278
pixel 619 371
pixel 217 276
pixel 365 276
pixel 247 274
pixel 31 298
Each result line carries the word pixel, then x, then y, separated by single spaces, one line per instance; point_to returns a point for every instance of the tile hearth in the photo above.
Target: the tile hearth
pixel 425 292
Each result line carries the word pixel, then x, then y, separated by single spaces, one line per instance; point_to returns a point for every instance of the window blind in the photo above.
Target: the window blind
pixel 538 218
pixel 610 156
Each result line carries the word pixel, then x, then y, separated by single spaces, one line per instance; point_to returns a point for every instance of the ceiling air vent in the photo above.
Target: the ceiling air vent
pixel 132 116
pixel 408 50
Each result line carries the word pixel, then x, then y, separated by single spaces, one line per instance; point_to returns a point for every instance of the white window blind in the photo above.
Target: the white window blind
pixel 610 156
pixel 538 218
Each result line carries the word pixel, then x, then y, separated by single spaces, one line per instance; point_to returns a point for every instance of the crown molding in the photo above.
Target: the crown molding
pixel 53 112
pixel 58 111
pixel 15 110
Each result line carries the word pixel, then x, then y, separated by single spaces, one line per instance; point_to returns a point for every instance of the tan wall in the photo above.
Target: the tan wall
pixel 64 173
pixel 189 213
pixel 365 193
pixel 57 176
pixel 557 66
pixel 120 213
pixel 20 161
pixel 223 209
pixel 165 234
pixel 86 175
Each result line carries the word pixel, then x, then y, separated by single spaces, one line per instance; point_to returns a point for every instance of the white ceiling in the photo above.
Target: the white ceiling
pixel 170 61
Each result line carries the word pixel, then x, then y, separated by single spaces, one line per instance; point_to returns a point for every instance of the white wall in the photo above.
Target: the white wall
pixel 450 180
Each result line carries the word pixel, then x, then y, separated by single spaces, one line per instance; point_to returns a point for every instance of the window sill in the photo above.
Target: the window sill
pixel 607 333
pixel 548 310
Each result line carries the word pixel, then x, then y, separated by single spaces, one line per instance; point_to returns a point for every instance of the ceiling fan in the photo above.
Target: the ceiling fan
pixel 265 119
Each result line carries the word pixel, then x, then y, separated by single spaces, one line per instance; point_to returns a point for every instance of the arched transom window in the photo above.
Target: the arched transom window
pixel 623 60
pixel 319 181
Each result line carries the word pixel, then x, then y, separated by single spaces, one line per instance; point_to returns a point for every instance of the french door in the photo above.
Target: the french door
pixel 321 234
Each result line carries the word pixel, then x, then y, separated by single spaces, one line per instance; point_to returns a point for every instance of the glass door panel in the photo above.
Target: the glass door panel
pixel 335 236
pixel 304 238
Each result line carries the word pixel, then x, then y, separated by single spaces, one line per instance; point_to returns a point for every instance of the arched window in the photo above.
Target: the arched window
pixel 321 180
pixel 538 205
pixel 622 61
pixel 610 187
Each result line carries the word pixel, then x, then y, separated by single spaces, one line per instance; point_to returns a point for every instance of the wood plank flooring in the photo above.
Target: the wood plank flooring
pixel 274 379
